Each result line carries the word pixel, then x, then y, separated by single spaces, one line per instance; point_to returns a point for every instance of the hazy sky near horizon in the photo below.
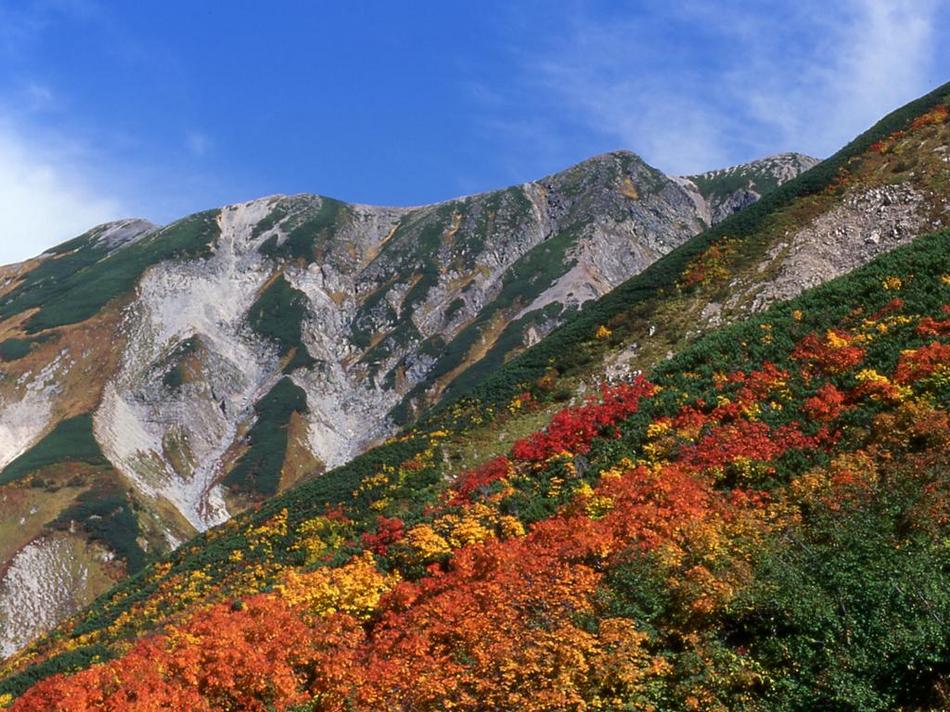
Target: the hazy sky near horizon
pixel 158 109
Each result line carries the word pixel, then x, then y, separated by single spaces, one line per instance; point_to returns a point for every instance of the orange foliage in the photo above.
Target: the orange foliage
pixel 835 353
pixel 920 363
pixel 827 405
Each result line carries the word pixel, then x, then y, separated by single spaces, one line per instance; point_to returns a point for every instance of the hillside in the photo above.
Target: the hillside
pixel 155 380
pixel 675 542
pixel 746 529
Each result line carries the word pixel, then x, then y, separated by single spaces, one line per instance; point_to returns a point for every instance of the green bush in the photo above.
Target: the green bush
pixel 70 440
pixel 258 470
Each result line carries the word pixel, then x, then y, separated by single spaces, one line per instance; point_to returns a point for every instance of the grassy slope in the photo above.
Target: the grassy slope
pixel 83 276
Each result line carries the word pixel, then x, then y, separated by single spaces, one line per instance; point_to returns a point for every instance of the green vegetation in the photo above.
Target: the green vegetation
pixel 304 239
pixel 723 182
pixel 569 348
pixel 73 285
pixel 854 615
pixel 258 470
pixel 278 315
pixel 13 349
pixel 106 513
pixel 71 440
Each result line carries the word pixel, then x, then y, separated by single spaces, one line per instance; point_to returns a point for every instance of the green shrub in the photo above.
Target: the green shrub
pixel 70 440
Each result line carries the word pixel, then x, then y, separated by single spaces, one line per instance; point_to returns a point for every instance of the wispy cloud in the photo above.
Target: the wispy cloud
pixel 701 85
pixel 46 193
pixel 875 56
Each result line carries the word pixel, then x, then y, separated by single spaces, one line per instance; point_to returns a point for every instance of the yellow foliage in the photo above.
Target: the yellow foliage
pixel 835 341
pixel 657 428
pixel 316 536
pixel 354 588
pixel 603 332
pixel 426 545
pixel 751 411
pixel 622 666
pixel 597 507
pixel 869 376
pixel 468 531
pixel 510 527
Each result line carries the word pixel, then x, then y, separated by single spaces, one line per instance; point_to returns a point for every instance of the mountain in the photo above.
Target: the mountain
pixel 155 380
pixel 722 485
pixel 729 190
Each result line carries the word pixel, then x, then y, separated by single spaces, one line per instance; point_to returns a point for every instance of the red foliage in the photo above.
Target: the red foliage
pixel 479 479
pixel 494 632
pixel 759 384
pixel 690 420
pixel 893 306
pixel 937 115
pixel 388 531
pixel 833 354
pixel 223 659
pixel 827 405
pixel 573 429
pixel 929 326
pixel 914 365
pixel 744 439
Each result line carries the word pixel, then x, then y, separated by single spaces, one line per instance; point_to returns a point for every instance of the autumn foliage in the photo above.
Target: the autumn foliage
pixel 748 529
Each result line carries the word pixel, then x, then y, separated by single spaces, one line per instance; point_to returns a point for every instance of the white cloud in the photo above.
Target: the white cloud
pixel 878 56
pixel 702 85
pixel 46 195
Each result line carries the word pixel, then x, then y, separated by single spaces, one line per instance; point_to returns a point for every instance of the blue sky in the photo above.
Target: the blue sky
pixel 158 109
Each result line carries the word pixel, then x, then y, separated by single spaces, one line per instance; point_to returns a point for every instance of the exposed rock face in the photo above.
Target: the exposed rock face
pixel 866 224
pixel 197 347
pixel 47 579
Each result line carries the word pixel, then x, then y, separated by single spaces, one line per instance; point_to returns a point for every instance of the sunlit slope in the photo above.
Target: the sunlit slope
pixel 687 293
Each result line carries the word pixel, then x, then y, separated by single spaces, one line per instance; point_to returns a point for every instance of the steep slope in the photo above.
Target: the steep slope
pixel 155 380
pixel 747 529
pixel 721 276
